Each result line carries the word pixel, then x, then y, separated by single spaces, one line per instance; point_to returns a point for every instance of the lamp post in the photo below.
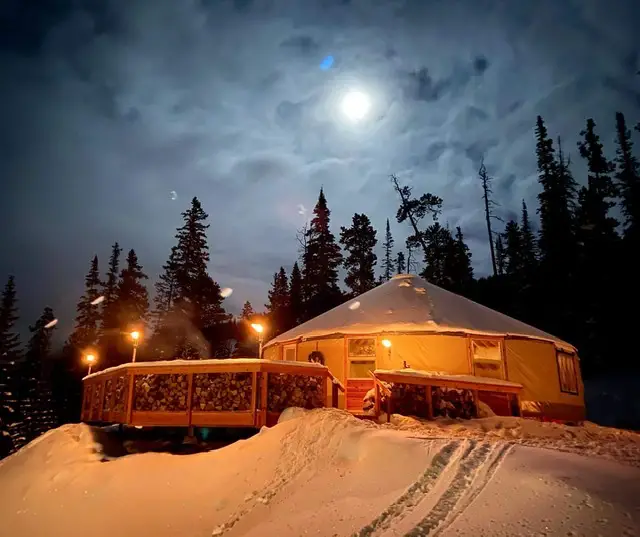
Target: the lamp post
pixel 90 359
pixel 135 337
pixel 260 331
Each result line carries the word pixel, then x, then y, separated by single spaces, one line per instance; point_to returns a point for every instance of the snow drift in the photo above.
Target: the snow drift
pixel 316 473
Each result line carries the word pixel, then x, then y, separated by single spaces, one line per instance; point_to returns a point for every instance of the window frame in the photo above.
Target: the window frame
pixel 501 361
pixel 365 359
pixel 574 366
pixel 359 357
pixel 285 348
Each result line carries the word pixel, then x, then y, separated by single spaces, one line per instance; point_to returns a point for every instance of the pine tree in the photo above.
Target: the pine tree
pixel 628 180
pixel 110 316
pixel 278 306
pixel 321 262
pixel 412 265
pixel 296 304
pixel 247 311
pixel 193 323
pixel 459 266
pixel 529 245
pixel 87 329
pixel 598 241
pixel 35 390
pixel 557 203
pixel 359 240
pixel 166 288
pixel 439 244
pixel 501 256
pixel 401 266
pixel 387 262
pixel 513 248
pixel 414 210
pixel 133 297
pixel 195 287
pixel 10 419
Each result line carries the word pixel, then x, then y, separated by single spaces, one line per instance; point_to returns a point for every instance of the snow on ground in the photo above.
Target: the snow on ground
pixel 323 473
pixel 589 439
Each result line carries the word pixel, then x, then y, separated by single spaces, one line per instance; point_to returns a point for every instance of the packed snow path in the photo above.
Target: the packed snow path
pixel 320 473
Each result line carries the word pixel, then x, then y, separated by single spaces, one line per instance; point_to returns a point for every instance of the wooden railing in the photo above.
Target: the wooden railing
pixel 205 393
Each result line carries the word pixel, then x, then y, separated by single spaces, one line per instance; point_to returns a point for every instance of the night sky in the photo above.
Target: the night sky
pixel 109 106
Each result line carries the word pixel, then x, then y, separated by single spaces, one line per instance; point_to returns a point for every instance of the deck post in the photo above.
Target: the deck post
pixel 264 387
pixel 189 401
pixel 389 407
pixel 334 394
pixel 254 397
pixel 376 407
pixel 129 410
pixel 429 399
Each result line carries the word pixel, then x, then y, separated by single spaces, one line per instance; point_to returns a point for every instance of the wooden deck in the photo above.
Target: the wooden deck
pixel 205 393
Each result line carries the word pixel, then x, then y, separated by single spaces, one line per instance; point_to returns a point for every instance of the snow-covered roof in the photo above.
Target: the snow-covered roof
pixel 408 303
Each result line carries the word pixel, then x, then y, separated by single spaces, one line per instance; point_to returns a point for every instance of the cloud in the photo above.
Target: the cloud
pixel 110 107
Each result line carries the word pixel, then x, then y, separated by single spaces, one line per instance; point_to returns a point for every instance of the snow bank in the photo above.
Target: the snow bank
pixel 589 439
pixel 319 472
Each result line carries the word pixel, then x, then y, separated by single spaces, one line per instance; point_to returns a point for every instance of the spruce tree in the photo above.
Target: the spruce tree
pixel 10 417
pixel 35 390
pixel 598 241
pixel 110 328
pixel 459 266
pixel 513 249
pixel 627 175
pixel 387 245
pixel 196 289
pixel 191 302
pixel 87 328
pixel 278 306
pixel 321 262
pixel 557 204
pixel 529 245
pixel 296 304
pixel 132 297
pixel 401 266
pixel 439 245
pixel 359 240
pixel 501 256
pixel 247 311
pixel 166 288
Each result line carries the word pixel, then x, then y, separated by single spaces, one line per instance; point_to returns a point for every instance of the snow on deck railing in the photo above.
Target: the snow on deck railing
pixel 447 376
pixel 193 363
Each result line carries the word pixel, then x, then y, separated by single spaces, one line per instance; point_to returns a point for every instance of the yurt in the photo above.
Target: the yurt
pixel 409 323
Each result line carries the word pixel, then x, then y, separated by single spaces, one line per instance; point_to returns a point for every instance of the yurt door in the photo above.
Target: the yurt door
pixel 361 358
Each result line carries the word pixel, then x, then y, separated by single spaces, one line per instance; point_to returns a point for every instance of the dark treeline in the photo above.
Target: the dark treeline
pixel 573 278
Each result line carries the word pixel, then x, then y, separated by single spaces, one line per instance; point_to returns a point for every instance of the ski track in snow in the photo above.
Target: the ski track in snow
pixel 456 476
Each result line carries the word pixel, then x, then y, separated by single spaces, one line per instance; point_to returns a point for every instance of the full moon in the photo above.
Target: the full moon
pixel 355 105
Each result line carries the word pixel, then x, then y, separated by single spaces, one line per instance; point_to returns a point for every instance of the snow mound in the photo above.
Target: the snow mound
pixel 588 439
pixel 318 472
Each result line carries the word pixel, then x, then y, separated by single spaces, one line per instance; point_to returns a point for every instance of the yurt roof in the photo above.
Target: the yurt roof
pixel 407 304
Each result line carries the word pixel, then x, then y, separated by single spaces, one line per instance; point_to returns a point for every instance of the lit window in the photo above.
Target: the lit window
pixel 487 358
pixel 362 347
pixel 359 369
pixel 290 353
pixel 567 371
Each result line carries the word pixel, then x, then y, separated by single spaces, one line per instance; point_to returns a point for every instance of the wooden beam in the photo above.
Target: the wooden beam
pixel 155 418
pixel 239 418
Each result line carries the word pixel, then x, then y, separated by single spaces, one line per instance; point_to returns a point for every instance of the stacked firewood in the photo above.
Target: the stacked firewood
pixel 222 391
pixel 409 400
pixel 160 392
pixel 286 391
pixel 122 388
pixel 106 404
pixel 87 399
pixel 453 403
pixel 95 407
